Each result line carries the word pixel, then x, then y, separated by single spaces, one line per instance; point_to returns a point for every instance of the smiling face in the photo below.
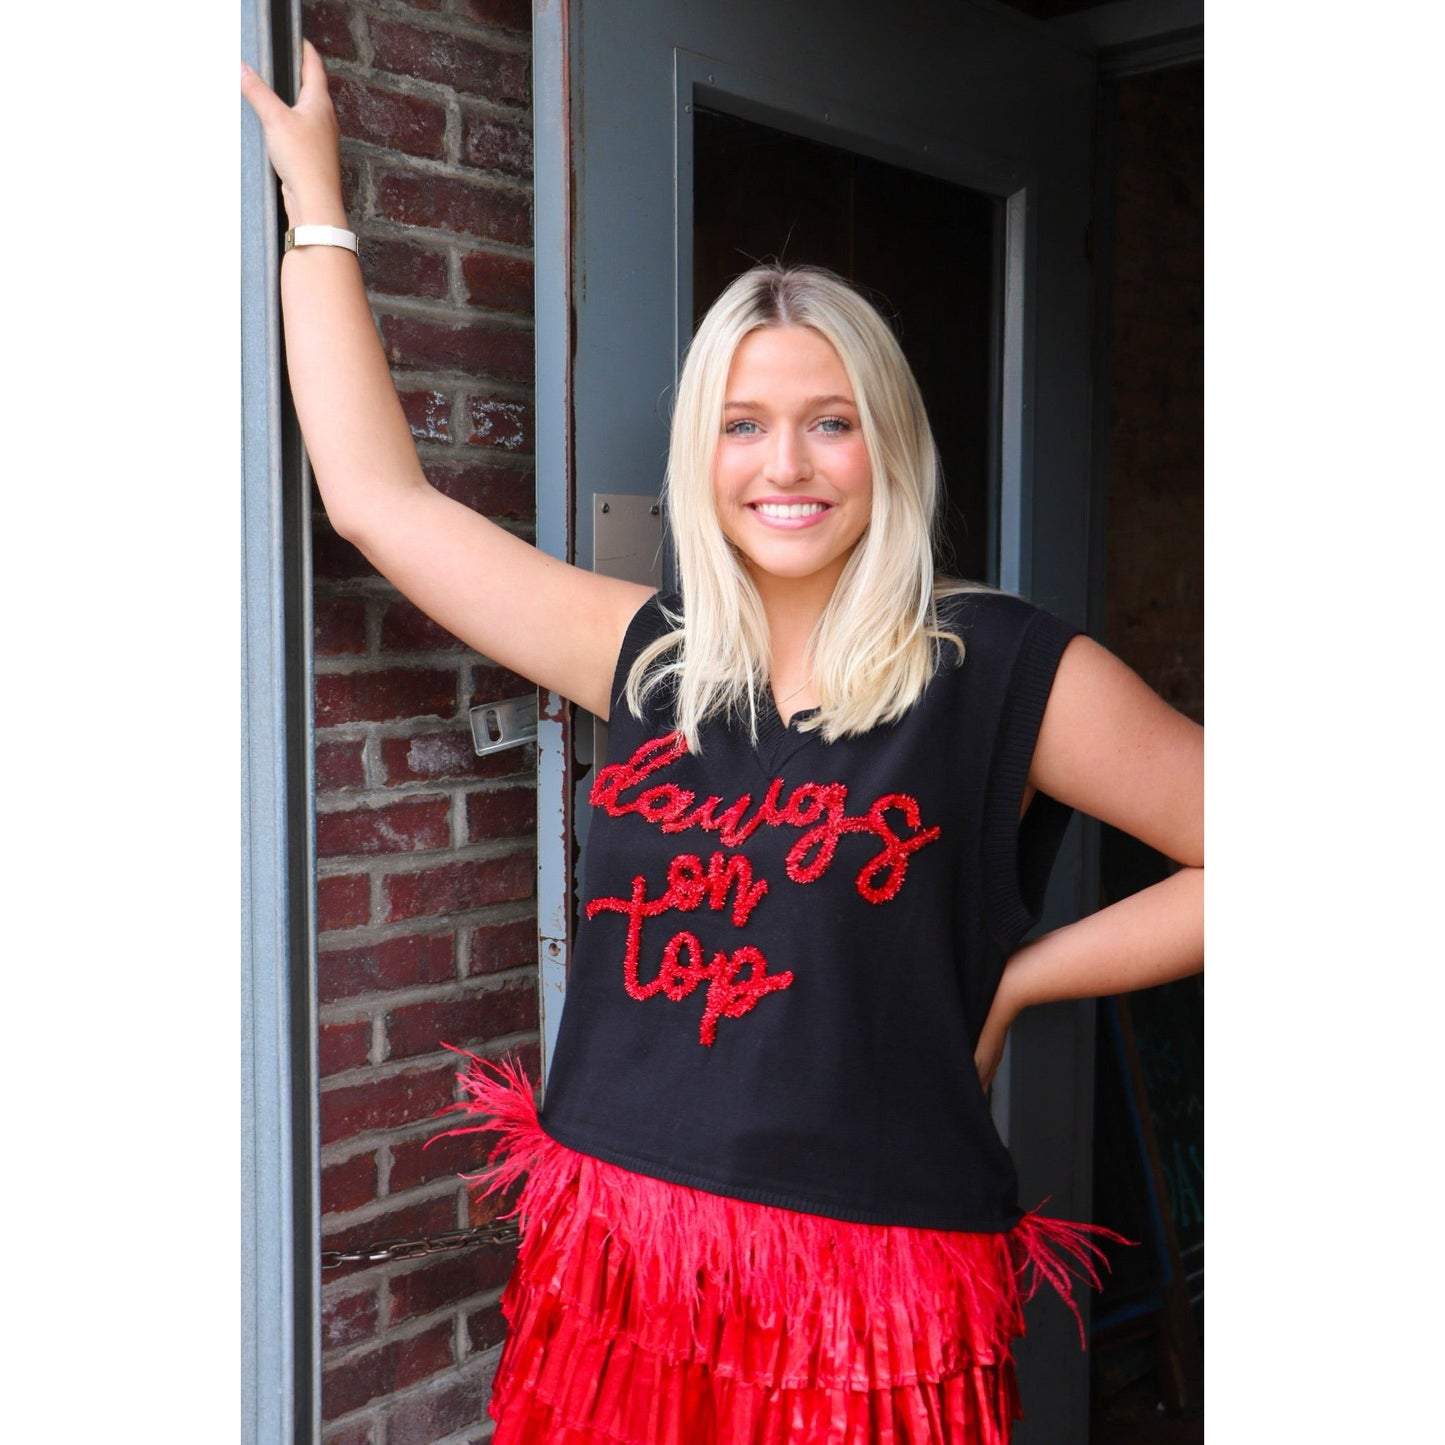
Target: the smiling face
pixel 792 481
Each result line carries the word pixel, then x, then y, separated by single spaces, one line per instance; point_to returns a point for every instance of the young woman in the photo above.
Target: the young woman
pixel 765 1201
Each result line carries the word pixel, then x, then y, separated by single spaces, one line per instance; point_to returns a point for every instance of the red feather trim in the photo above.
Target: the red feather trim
pixel 643 1311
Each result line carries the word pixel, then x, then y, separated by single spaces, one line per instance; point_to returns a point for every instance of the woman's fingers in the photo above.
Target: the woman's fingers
pixel 302 141
pixel 313 75
pixel 269 106
pixel 313 96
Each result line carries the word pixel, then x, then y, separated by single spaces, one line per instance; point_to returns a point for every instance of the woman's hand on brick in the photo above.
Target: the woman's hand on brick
pixel 303 142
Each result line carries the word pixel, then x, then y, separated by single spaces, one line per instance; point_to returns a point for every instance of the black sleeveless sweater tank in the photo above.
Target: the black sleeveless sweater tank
pixel 788 950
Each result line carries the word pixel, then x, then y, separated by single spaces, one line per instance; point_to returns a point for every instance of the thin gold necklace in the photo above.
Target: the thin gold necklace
pixel 807 682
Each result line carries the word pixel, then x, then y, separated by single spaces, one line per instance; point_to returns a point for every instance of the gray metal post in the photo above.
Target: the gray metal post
pixel 280 1227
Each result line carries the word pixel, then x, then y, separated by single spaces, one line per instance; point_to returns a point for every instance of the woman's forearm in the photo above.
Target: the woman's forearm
pixel 356 433
pixel 1151 937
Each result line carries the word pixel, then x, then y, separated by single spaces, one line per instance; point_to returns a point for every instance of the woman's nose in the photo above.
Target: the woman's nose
pixel 788 462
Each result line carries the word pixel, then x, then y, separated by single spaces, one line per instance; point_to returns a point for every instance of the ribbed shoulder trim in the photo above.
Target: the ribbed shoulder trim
pixel 648 623
pixel 1009 906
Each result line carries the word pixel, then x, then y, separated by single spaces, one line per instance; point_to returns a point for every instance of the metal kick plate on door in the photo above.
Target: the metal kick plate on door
pixel 506 724
pixel 627 537
pixel 626 543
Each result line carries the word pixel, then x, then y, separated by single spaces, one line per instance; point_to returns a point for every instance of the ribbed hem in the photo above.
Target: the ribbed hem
pixel 754 1254
pixel 896 1216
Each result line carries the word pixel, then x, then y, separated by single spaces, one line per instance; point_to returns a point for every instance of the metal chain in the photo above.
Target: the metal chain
pixel 385 1250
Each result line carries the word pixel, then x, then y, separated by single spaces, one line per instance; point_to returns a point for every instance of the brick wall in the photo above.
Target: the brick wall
pixel 426 853
pixel 1155 563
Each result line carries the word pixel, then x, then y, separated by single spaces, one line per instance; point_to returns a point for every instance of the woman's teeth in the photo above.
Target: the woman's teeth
pixel 787 511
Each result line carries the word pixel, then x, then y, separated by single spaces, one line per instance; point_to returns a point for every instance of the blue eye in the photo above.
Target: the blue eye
pixel 834 425
pixel 741 428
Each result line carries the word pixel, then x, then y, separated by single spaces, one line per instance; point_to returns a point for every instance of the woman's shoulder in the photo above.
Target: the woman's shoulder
pixel 659 614
pixel 1002 629
pixel 657 619
pixel 985 612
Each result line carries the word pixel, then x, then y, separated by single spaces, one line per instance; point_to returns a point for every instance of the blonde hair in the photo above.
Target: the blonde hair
pixel 876 645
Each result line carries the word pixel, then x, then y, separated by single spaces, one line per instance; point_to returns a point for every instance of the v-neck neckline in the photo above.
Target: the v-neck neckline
pixel 779 740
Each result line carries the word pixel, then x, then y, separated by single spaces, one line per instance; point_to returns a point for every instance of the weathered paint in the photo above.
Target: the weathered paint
pixel 553 250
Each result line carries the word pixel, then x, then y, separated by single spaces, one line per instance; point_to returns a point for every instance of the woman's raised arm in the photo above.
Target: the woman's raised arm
pixel 558 625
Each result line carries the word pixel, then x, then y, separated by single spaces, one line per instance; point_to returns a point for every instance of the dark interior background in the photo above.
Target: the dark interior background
pixel 922 249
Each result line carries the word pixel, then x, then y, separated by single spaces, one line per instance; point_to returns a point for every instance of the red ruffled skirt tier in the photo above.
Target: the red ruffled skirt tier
pixel 646 1313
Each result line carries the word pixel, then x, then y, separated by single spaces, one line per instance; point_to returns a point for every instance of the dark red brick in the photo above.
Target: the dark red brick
pixel 428 414
pixel 485 487
pixel 489 683
pixel 461 205
pixel 411 124
pixel 503 422
pixel 342 902
pixel 496 145
pixel 347 1319
pixel 351 183
pixel 339 626
pixel 472 66
pixel 439 1413
pixel 340 765
pixel 498 947
pixel 501 813
pixel 399 268
pixel 417 1219
pixel 427 757
pixel 388 1368
pixel 397 963
pixel 343 1046
pixel 385 695
pixel 334 559
pixel 445 1281
pixel 415 1162
pixel 527 1055
pixel 386 1103
pixel 349 1184
pixel 498 1204
pixel 421 1028
pixel 325 25
pixel 354 1432
pixel 458 887
pixel 486 1329
pixel 505 14
pixel 409 826
pixel 505 283
pixel 406 628
pixel 474 347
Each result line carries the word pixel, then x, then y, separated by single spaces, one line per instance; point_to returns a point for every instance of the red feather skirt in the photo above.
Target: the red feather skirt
pixel 647 1313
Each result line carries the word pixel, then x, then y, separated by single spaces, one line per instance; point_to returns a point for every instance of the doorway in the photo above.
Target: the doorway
pixel 1000 113
pixel 923 250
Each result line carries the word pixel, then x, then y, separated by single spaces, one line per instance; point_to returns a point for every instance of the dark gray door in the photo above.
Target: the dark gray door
pixel 637 105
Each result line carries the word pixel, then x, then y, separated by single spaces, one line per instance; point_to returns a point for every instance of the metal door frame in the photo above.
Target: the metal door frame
pixel 280 1221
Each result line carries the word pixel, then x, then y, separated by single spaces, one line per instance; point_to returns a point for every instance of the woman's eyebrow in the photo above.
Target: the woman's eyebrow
pixel 812 403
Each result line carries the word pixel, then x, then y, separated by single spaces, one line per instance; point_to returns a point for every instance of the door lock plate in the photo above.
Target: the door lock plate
pixel 505 724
